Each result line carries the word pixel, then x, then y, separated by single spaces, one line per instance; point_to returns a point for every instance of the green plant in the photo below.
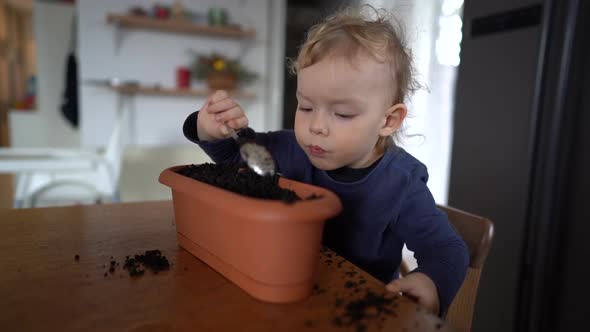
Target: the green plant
pixel 205 65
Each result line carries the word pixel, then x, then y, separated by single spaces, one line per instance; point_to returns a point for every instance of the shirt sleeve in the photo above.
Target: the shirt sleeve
pixel 279 143
pixel 220 151
pixel 440 252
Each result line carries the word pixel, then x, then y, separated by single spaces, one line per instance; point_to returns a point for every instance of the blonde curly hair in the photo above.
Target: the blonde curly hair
pixel 351 32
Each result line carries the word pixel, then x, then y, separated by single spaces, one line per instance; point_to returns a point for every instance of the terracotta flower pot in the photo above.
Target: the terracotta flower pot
pixel 222 81
pixel 268 248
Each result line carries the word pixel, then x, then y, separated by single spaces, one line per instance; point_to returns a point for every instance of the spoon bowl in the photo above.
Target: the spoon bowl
pixel 256 156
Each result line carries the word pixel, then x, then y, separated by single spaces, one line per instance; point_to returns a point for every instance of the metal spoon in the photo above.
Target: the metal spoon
pixel 256 156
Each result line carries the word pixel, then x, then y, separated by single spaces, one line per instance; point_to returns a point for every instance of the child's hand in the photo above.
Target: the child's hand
pixel 219 112
pixel 419 286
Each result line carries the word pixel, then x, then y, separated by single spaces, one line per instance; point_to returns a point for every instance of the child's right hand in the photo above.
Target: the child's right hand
pixel 219 112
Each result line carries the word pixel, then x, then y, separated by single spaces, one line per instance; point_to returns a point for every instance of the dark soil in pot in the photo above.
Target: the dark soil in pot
pixel 240 179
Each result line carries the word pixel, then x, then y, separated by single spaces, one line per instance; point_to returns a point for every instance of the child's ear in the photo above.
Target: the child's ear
pixel 394 117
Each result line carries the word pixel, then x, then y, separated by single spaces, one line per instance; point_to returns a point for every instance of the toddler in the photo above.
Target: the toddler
pixel 353 74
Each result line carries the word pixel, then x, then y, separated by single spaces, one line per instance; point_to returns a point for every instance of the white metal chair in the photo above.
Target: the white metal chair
pixel 50 177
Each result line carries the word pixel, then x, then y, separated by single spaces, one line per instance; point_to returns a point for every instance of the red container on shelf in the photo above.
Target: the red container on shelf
pixel 183 78
pixel 161 12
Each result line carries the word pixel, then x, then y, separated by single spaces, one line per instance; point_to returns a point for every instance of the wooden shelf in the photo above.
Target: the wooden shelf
pixel 23 110
pixel 173 92
pixel 178 26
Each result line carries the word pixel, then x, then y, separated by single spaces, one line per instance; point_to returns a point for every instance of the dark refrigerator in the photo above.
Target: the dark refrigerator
pixel 520 157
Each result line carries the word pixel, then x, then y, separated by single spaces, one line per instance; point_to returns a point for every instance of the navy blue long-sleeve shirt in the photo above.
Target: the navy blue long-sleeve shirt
pixel 390 206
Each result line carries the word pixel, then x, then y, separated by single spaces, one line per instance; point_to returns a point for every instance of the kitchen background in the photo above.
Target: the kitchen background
pixel 93 95
pixel 113 52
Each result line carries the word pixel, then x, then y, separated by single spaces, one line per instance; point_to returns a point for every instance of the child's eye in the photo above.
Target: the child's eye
pixel 345 116
pixel 304 109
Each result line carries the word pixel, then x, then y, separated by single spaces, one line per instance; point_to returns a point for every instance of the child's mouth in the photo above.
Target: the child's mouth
pixel 316 150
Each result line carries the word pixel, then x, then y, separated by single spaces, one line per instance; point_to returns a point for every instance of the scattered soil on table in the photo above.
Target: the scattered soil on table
pixel 356 306
pixel 137 264
pixel 371 307
pixel 317 290
pixel 151 260
pixel 240 179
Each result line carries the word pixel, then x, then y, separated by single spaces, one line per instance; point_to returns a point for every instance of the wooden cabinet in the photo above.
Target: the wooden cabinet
pixel 17 59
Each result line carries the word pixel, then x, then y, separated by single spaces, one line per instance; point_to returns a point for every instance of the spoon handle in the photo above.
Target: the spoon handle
pixel 233 133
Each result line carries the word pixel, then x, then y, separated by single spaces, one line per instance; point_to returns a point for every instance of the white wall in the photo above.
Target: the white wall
pixel 46 127
pixel 430 109
pixel 432 106
pixel 152 57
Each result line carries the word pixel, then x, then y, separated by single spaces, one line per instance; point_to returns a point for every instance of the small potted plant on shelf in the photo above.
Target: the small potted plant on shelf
pixel 221 72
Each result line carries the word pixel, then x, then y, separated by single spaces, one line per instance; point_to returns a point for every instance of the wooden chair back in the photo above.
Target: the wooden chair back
pixel 478 234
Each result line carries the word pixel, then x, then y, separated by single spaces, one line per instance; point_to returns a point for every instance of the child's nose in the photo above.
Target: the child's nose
pixel 318 124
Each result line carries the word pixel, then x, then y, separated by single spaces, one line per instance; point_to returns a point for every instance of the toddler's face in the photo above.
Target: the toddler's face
pixel 342 106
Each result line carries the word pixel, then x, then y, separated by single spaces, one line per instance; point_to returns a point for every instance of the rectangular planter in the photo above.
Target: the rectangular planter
pixel 268 248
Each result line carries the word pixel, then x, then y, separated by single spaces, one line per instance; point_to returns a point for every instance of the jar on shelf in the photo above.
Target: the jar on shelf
pixel 217 16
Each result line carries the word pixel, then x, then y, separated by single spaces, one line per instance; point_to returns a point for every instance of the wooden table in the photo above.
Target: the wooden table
pixel 44 288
